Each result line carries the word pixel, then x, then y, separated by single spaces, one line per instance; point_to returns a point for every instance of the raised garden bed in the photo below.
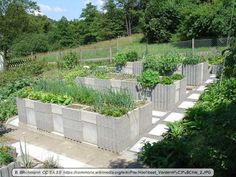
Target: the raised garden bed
pixel 166 97
pixel 79 123
pixel 196 74
pixel 135 68
pixel 101 84
pixel 6 171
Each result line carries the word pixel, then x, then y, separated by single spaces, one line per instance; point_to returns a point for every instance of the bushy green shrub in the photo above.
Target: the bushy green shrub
pixel 177 77
pixel 149 79
pixel 216 60
pixel 192 60
pixel 8 109
pixel 120 59
pixel 69 61
pixel 132 56
pixel 165 65
pixel 166 80
pixel 32 43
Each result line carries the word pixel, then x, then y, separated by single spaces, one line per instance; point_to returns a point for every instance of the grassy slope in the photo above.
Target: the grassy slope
pixel 102 49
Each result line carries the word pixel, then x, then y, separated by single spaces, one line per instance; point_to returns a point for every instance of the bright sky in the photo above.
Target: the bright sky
pixel 71 9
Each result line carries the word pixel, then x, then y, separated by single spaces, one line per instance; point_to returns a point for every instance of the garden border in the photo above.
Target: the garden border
pixel 135 68
pixel 6 171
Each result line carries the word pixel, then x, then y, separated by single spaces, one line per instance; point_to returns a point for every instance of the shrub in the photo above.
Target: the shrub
pixel 194 143
pixel 165 65
pixel 166 80
pixel 69 61
pixel 149 79
pixel 120 59
pixel 8 109
pixel 177 77
pixel 216 60
pixel 6 156
pixel 192 60
pixel 230 61
pixel 132 56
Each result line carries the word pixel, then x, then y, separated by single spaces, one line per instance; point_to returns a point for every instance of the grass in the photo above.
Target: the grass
pixel 101 50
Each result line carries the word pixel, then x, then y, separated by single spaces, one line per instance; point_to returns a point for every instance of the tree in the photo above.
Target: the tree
pixel 13 21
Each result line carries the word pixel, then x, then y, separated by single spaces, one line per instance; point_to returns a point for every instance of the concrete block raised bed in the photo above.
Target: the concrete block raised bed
pixel 6 171
pixel 114 134
pixel 135 68
pixel 166 97
pixel 196 74
pixel 101 84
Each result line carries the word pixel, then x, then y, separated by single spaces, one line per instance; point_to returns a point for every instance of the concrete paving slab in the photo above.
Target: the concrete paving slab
pixel 209 81
pixel 194 96
pixel 159 130
pixel 139 145
pixel 186 105
pixel 201 88
pixel 155 120
pixel 173 117
pixel 158 113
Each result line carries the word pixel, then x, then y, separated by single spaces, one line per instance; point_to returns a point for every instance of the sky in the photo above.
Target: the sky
pixel 71 9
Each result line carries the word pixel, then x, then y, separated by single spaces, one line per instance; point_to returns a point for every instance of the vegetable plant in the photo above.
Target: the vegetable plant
pixel 120 59
pixel 149 79
pixel 132 56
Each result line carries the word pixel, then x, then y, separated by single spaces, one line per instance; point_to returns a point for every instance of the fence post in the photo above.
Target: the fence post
pixel 81 55
pixel 193 46
pixel 110 54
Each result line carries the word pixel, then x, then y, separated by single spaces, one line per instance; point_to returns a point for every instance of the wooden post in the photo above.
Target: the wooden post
pixel 193 46
pixel 81 55
pixel 110 55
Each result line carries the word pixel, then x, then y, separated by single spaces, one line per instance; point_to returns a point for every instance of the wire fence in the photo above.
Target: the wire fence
pixel 194 47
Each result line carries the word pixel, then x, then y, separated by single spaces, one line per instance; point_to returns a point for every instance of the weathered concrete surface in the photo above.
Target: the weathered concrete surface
pixel 86 153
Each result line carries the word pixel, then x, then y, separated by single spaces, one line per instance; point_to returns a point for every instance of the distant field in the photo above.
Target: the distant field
pixel 106 49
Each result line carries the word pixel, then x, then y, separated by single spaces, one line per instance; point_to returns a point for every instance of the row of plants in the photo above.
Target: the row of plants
pixel 107 102
pixel 123 58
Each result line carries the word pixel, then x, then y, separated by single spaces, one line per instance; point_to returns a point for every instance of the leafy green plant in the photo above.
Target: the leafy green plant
pixel 6 155
pixel 177 77
pixel 216 60
pixel 69 61
pixel 165 65
pixel 149 79
pixel 166 80
pixel 192 60
pixel 120 59
pixel 230 61
pixel 132 56
pixel 8 109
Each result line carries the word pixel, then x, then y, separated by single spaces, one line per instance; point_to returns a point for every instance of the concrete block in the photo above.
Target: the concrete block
pixel 21 110
pixel 44 121
pixel 58 123
pixel 73 134
pixel 31 118
pixel 135 68
pixel 42 107
pixel 29 103
pixel 116 84
pixel 90 82
pixel 57 109
pixel 102 84
pixel 80 80
pixel 90 133
pixel 72 114
pixel 76 125
pixel 89 117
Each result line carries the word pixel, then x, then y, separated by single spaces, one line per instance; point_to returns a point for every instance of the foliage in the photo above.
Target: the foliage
pixel 101 101
pixel 6 155
pixel 230 62
pixel 177 76
pixel 149 79
pixel 8 109
pixel 31 43
pixel 45 97
pixel 50 163
pixel 216 60
pixel 132 56
pixel 194 142
pixel 192 60
pixel 120 59
pixel 25 158
pixel 165 65
pixel 69 61
pixel 166 80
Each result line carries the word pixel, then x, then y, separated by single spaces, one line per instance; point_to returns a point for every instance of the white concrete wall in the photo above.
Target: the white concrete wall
pixel 1 63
